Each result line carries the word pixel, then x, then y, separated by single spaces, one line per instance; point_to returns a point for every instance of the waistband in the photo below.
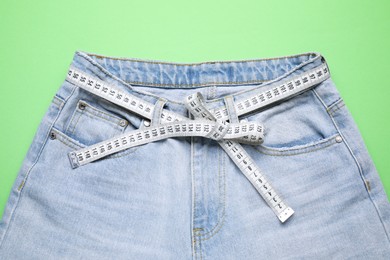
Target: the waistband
pixel 258 75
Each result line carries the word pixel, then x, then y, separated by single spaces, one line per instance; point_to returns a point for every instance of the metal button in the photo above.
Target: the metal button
pixel 81 105
pixel 339 139
pixel 123 122
pixel 146 122
pixel 52 135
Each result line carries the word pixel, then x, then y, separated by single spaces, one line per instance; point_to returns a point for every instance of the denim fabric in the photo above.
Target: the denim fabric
pixel 184 198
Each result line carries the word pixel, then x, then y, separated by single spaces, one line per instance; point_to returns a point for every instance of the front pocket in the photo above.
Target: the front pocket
pixel 89 124
pixel 299 149
pixel 298 125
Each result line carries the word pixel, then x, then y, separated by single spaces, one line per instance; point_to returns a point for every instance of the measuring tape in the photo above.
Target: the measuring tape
pixel 207 123
pixel 249 133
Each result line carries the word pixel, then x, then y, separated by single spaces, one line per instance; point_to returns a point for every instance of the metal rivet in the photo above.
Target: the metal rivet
pixel 146 122
pixel 81 106
pixel 123 122
pixel 52 135
pixel 339 139
pixel 368 185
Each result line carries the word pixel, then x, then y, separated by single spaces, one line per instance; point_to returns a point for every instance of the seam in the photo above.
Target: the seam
pixel 72 126
pixel 197 236
pixel 359 169
pixel 211 83
pixel 319 98
pixel 93 62
pixel 58 101
pixel 221 221
pixel 194 184
pixel 224 201
pixel 76 123
pixel 335 107
pixel 329 107
pixel 216 231
pixel 65 140
pixel 364 180
pixel 200 249
pixel 46 138
pixel 194 239
pixel 81 53
pixel 19 193
pixel 195 207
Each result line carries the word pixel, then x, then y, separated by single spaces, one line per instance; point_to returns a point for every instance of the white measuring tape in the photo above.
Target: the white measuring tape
pixel 209 124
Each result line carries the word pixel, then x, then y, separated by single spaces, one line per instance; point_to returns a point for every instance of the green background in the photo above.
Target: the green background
pixel 39 38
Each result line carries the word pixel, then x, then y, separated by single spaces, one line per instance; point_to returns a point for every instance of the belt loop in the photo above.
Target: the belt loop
pixel 231 109
pixel 158 106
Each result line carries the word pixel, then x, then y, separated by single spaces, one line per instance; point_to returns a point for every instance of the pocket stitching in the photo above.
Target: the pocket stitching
pixel 28 171
pixel 333 108
pixel 95 116
pixel 341 104
pixel 72 125
pixel 74 144
pixel 301 149
pixel 99 111
pixel 358 165
pixel 63 138
pixel 71 128
pixel 18 196
pixel 58 101
pixel 314 145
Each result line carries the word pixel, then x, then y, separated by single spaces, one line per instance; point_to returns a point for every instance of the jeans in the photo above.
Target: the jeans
pixel 193 195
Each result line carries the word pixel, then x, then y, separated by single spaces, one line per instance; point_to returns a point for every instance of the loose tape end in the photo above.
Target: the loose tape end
pixel 73 160
pixel 286 214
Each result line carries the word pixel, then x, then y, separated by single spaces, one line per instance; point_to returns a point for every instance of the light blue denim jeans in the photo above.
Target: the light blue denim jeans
pixel 184 198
